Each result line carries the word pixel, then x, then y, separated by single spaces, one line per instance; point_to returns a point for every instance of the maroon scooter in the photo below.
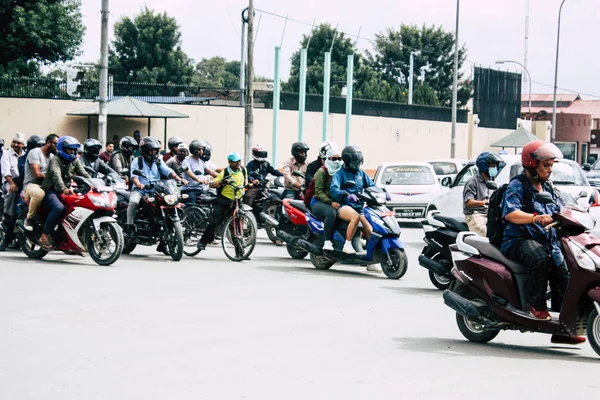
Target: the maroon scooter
pixel 489 292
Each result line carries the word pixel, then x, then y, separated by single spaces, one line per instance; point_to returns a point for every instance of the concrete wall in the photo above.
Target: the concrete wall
pixel 382 139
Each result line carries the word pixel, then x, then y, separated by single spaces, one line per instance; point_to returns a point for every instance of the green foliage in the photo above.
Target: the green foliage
pixel 148 49
pixel 392 54
pixel 216 72
pixel 35 32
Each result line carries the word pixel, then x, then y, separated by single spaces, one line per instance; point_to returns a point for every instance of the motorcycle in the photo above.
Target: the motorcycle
pixel 440 232
pixel 384 246
pixel 87 225
pixel 158 219
pixel 268 201
pixel 488 294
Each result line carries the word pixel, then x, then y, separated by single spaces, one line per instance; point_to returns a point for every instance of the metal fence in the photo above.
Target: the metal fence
pixel 51 88
pixel 497 98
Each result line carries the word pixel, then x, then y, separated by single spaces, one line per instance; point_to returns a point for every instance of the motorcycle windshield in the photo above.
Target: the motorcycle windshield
pixel 166 187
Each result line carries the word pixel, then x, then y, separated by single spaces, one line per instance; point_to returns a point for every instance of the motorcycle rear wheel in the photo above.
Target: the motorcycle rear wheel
pixel 439 281
pixel 296 253
pixel 593 330
pixel 473 330
pixel 321 262
pixel 31 249
pixel 97 246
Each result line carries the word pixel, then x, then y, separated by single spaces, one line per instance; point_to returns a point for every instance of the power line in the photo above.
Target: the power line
pixel 231 19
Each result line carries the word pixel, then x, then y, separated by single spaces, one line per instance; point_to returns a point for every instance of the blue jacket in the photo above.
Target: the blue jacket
pixel 340 195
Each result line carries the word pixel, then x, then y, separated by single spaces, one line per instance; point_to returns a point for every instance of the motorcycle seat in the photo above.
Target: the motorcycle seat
pixel 490 251
pixel 299 204
pixel 457 224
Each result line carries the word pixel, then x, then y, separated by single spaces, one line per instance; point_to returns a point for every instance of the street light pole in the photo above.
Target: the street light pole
pixel 553 136
pixel 528 77
pixel 455 86
pixel 411 75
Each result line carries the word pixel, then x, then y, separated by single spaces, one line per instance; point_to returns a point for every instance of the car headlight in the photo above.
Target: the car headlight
pixel 171 199
pixel 585 258
pixel 100 201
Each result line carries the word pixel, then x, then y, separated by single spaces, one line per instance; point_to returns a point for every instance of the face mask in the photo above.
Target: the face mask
pixel 333 166
pixel 493 172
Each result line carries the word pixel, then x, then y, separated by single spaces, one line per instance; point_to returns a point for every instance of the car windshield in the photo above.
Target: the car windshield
pixel 563 173
pixel 407 175
pixel 444 167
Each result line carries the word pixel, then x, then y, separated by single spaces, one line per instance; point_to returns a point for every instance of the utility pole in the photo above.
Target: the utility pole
pixel 249 120
pixel 455 87
pixel 102 117
pixel 243 58
pixel 553 132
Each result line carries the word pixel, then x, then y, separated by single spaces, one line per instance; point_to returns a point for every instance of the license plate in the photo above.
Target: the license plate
pixel 408 213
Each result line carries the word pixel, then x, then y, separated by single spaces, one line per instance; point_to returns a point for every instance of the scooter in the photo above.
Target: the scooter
pixel 489 292
pixel 440 232
pixel 384 246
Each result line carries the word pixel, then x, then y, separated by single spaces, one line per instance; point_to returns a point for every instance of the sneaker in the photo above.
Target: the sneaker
pixel 14 245
pixel 560 339
pixel 374 268
pixel 348 249
pixel 201 246
pixel 28 224
pixel 328 245
pixel 540 314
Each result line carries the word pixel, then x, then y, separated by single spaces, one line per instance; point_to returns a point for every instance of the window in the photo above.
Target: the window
pixel 444 168
pixel 564 173
pixel 569 150
pixel 465 174
pixel 407 175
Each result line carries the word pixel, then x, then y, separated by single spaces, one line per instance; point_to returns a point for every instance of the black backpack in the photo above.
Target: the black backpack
pixel 495 223
pixel 226 175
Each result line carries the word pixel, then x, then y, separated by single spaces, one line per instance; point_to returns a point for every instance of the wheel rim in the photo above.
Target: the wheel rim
pixel 393 264
pixel 239 246
pixel 442 280
pixel 104 242
pixel 473 326
pixel 191 229
pixel 596 328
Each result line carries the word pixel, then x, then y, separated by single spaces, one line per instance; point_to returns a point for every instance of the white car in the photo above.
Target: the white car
pixel 567 176
pixel 410 185
pixel 447 167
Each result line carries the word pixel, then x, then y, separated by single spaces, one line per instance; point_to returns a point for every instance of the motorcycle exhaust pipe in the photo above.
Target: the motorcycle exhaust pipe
pixel 433 266
pixel 307 246
pixel 287 238
pixel 461 305
pixel 269 220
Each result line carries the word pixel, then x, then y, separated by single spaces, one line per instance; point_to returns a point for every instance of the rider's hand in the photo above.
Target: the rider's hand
pixel 68 191
pixel 336 205
pixel 543 219
pixel 297 185
pixel 184 181
pixel 255 182
pixel 139 186
pixel 13 188
pixel 352 198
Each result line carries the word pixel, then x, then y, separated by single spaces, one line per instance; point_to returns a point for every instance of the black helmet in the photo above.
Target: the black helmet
pixel 352 157
pixel 297 148
pixel 34 142
pixel 146 145
pixel 195 147
pixel 91 149
pixel 1 143
pixel 174 142
pixel 206 151
pixel 128 145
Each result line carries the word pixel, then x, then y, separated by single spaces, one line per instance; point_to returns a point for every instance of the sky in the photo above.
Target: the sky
pixel 491 29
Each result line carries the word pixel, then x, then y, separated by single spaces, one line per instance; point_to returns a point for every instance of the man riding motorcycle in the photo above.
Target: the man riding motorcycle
pixel 90 157
pixel 120 160
pixel 209 166
pixel 476 194
pixel 351 209
pixel 294 184
pixel 172 145
pixel 61 170
pixel 151 165
pixel 194 164
pixel 258 169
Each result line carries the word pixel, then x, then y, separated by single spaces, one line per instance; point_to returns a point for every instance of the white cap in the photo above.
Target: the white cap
pixel 183 146
pixel 19 137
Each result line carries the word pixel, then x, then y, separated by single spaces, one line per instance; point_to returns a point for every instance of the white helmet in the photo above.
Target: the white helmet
pixel 259 153
pixel 325 147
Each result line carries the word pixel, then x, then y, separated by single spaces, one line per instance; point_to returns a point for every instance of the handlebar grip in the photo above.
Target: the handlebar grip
pixel 547 227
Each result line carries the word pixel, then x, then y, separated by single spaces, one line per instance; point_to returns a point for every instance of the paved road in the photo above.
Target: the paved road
pixel 270 328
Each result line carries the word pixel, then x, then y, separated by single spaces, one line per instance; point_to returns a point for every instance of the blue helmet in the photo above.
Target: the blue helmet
pixel 485 159
pixel 67 142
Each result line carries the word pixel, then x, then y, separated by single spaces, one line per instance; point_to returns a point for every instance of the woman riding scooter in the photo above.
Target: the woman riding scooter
pixel 351 210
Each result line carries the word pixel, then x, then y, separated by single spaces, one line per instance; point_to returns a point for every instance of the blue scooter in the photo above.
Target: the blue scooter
pixel 384 245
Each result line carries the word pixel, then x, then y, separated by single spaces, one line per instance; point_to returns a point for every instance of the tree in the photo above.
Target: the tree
pixel 391 57
pixel 148 49
pixel 217 72
pixel 38 32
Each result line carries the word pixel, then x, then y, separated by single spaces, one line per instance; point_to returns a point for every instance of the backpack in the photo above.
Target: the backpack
pixel 226 173
pixel 495 223
pixel 310 191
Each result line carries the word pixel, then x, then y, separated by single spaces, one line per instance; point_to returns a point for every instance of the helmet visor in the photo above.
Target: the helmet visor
pixel 261 154
pixel 547 151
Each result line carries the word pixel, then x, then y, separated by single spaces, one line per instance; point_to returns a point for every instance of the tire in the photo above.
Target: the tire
pixel 473 332
pixel 31 250
pixel 96 247
pixel 174 240
pixel 296 253
pixel 439 281
pixel 593 330
pixel 321 262
pixel 398 266
pixel 239 247
pixel 129 246
pixel 271 230
pixel 193 226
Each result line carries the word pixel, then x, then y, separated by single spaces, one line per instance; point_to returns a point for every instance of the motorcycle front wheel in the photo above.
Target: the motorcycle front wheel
pixel 396 266
pixel 441 282
pixel 174 240
pixel 106 246
pixel 593 330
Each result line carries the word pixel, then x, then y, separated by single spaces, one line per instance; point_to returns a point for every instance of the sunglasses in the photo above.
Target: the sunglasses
pixel 335 158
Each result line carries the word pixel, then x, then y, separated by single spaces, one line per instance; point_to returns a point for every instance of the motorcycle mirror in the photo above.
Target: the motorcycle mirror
pixel 594 197
pixel 124 171
pixel 184 168
pixel 491 185
pixel 139 172
pixel 544 198
pixel 298 174
pixel 198 172
pixel 348 184
pixel 586 167
pixel 90 170
pixel 78 180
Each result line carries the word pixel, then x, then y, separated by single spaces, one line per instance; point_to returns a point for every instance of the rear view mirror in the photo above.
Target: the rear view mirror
pixel 139 172
pixel 594 197
pixel 198 172
pixel 124 171
pixel 298 174
pixel 491 185
pixel 184 168
pixel 586 167
pixel 79 180
pixel 447 181
pixel 581 195
pixel 90 170
pixel 348 184
pixel 544 198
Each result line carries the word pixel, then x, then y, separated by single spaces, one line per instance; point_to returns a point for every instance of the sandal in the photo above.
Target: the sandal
pixel 45 242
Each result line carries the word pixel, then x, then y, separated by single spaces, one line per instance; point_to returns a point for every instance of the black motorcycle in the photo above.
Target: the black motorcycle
pixel 268 202
pixel 158 218
pixel 440 232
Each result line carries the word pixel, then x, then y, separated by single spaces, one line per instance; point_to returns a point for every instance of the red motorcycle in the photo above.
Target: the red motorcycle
pixel 88 225
pixel 291 226
pixel 489 292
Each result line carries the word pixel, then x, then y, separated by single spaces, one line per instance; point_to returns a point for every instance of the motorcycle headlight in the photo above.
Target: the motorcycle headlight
pixel 585 258
pixel 170 199
pixel 100 201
